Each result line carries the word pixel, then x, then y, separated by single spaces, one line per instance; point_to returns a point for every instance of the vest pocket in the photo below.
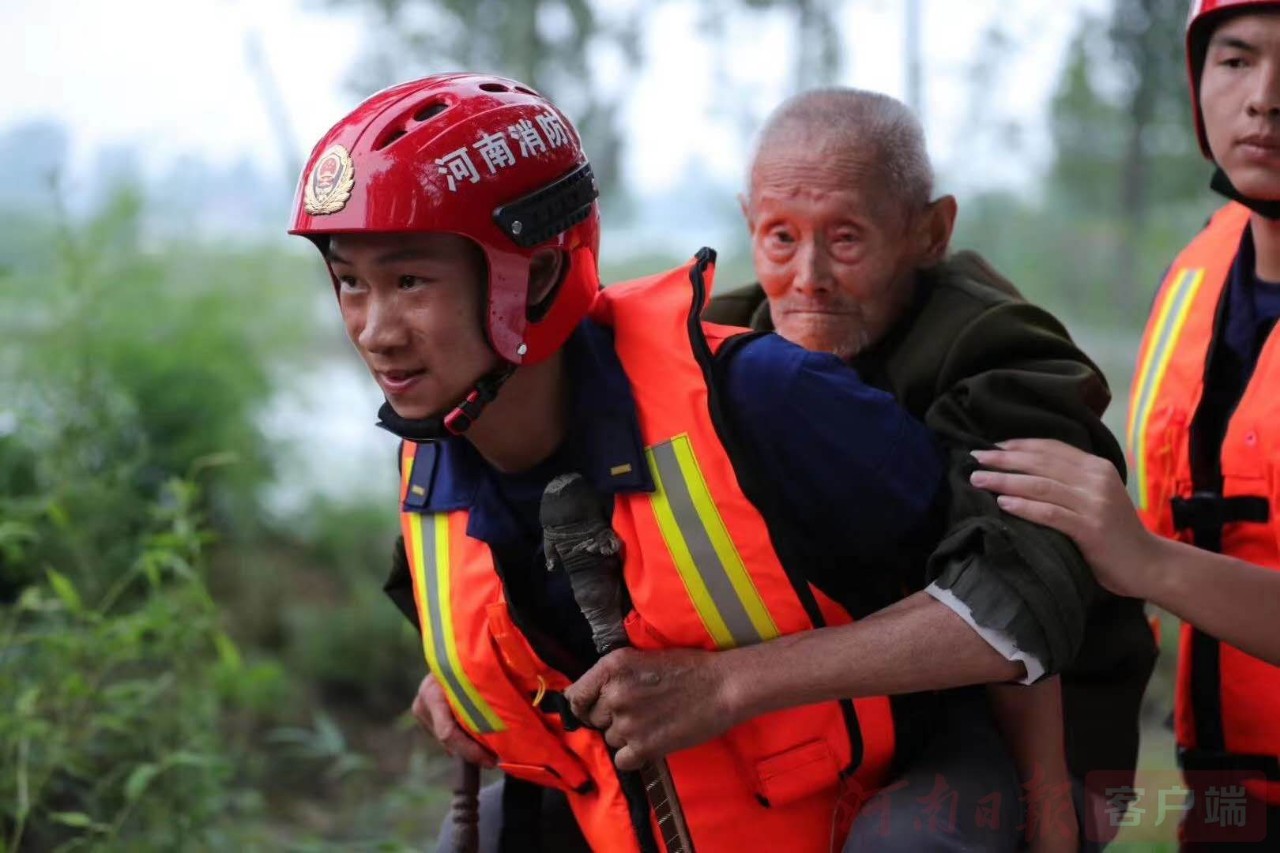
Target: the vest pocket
pixel 545 776
pixel 795 774
pixel 788 756
pixel 782 757
pixel 517 656
pixel 534 747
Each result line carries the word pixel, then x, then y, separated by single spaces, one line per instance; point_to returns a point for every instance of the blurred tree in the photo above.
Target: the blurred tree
pixel 548 44
pixel 819 44
pixel 560 46
pixel 818 39
pixel 35 153
pixel 1123 141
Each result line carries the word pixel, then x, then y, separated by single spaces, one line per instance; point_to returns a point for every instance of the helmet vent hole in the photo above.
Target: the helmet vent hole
pixel 431 110
pixel 525 91
pixel 494 87
pixel 389 138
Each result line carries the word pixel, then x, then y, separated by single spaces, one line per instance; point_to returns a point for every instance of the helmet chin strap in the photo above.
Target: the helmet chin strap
pixel 456 421
pixel 1221 184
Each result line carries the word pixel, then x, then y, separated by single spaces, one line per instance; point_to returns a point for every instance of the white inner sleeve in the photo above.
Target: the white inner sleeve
pixel 998 640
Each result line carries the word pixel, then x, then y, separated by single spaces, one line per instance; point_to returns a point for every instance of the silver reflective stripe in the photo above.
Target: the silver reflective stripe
pixel 709 566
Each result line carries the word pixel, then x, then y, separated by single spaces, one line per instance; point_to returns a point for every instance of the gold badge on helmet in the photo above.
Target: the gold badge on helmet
pixel 330 182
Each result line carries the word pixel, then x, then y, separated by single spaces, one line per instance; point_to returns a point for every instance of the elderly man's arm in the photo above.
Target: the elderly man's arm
pixel 846 489
pixel 649 704
pixel 1014 372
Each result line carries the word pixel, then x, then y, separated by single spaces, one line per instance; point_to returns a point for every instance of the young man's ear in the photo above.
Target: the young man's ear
pixel 546 270
pixel 936 225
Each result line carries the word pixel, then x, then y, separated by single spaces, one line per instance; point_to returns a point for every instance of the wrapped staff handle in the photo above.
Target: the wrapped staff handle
pixel 577 538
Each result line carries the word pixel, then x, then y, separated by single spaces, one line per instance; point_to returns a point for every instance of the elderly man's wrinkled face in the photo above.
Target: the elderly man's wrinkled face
pixel 834 254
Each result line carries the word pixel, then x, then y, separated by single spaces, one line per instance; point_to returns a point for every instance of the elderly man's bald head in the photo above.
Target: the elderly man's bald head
pixel 879 136
pixel 841 215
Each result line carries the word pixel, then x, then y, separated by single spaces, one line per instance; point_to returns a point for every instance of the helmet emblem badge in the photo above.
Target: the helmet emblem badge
pixel 330 182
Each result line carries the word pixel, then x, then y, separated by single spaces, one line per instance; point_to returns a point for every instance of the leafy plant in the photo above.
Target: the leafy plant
pixel 115 732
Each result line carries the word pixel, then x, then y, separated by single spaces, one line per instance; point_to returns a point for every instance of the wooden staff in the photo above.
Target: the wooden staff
pixel 465 808
pixel 577 538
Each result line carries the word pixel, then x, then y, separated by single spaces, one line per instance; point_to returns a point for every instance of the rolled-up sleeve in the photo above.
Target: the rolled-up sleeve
pixel 1014 373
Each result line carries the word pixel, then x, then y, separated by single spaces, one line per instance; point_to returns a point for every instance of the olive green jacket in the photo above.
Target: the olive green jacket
pixel 978 364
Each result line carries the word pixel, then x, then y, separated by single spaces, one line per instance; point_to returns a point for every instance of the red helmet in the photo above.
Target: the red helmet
pixel 1204 16
pixel 479 156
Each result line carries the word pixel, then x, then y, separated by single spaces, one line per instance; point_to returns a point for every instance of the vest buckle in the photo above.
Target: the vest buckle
pixel 1208 512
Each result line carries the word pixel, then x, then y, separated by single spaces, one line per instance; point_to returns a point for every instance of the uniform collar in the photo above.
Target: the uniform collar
pixel 603 442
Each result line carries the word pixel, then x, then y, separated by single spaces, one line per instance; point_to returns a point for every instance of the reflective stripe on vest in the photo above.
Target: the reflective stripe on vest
pixel 428 547
pixel 726 598
pixel 1171 316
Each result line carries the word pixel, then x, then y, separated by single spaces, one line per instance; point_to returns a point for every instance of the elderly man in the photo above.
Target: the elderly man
pixel 850 248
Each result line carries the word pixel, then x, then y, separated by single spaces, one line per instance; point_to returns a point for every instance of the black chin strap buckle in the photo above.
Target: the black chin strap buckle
pixel 456 421
pixel 465 413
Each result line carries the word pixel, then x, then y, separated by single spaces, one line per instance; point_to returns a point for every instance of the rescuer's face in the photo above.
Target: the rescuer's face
pixel 1240 102
pixel 411 306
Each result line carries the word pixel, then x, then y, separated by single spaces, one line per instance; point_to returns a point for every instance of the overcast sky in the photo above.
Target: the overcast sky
pixel 171 77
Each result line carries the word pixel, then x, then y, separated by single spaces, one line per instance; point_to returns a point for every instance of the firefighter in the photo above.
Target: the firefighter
pixel 1203 441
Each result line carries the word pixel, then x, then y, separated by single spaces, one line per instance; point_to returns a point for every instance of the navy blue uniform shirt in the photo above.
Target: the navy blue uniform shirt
pixel 1252 306
pixel 846 464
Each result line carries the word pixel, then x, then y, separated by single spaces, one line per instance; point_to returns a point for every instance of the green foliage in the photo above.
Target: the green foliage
pixel 1067 263
pixel 1126 163
pixel 113 737
pixel 1132 145
pixel 360 653
pixel 153 635
pixel 131 366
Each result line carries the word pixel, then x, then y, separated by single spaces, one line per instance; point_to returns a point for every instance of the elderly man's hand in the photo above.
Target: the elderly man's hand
pixel 431 710
pixel 649 704
pixel 1078 494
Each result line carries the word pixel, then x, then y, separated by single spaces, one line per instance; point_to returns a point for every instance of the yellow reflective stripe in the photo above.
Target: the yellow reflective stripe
pixel 444 582
pixel 726 551
pixel 430 549
pixel 1173 316
pixel 425 603
pixel 723 593
pixel 1141 377
pixel 679 549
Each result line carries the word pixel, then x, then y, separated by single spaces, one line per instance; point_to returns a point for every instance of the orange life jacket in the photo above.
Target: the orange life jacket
pixel 1227 705
pixel 701 573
